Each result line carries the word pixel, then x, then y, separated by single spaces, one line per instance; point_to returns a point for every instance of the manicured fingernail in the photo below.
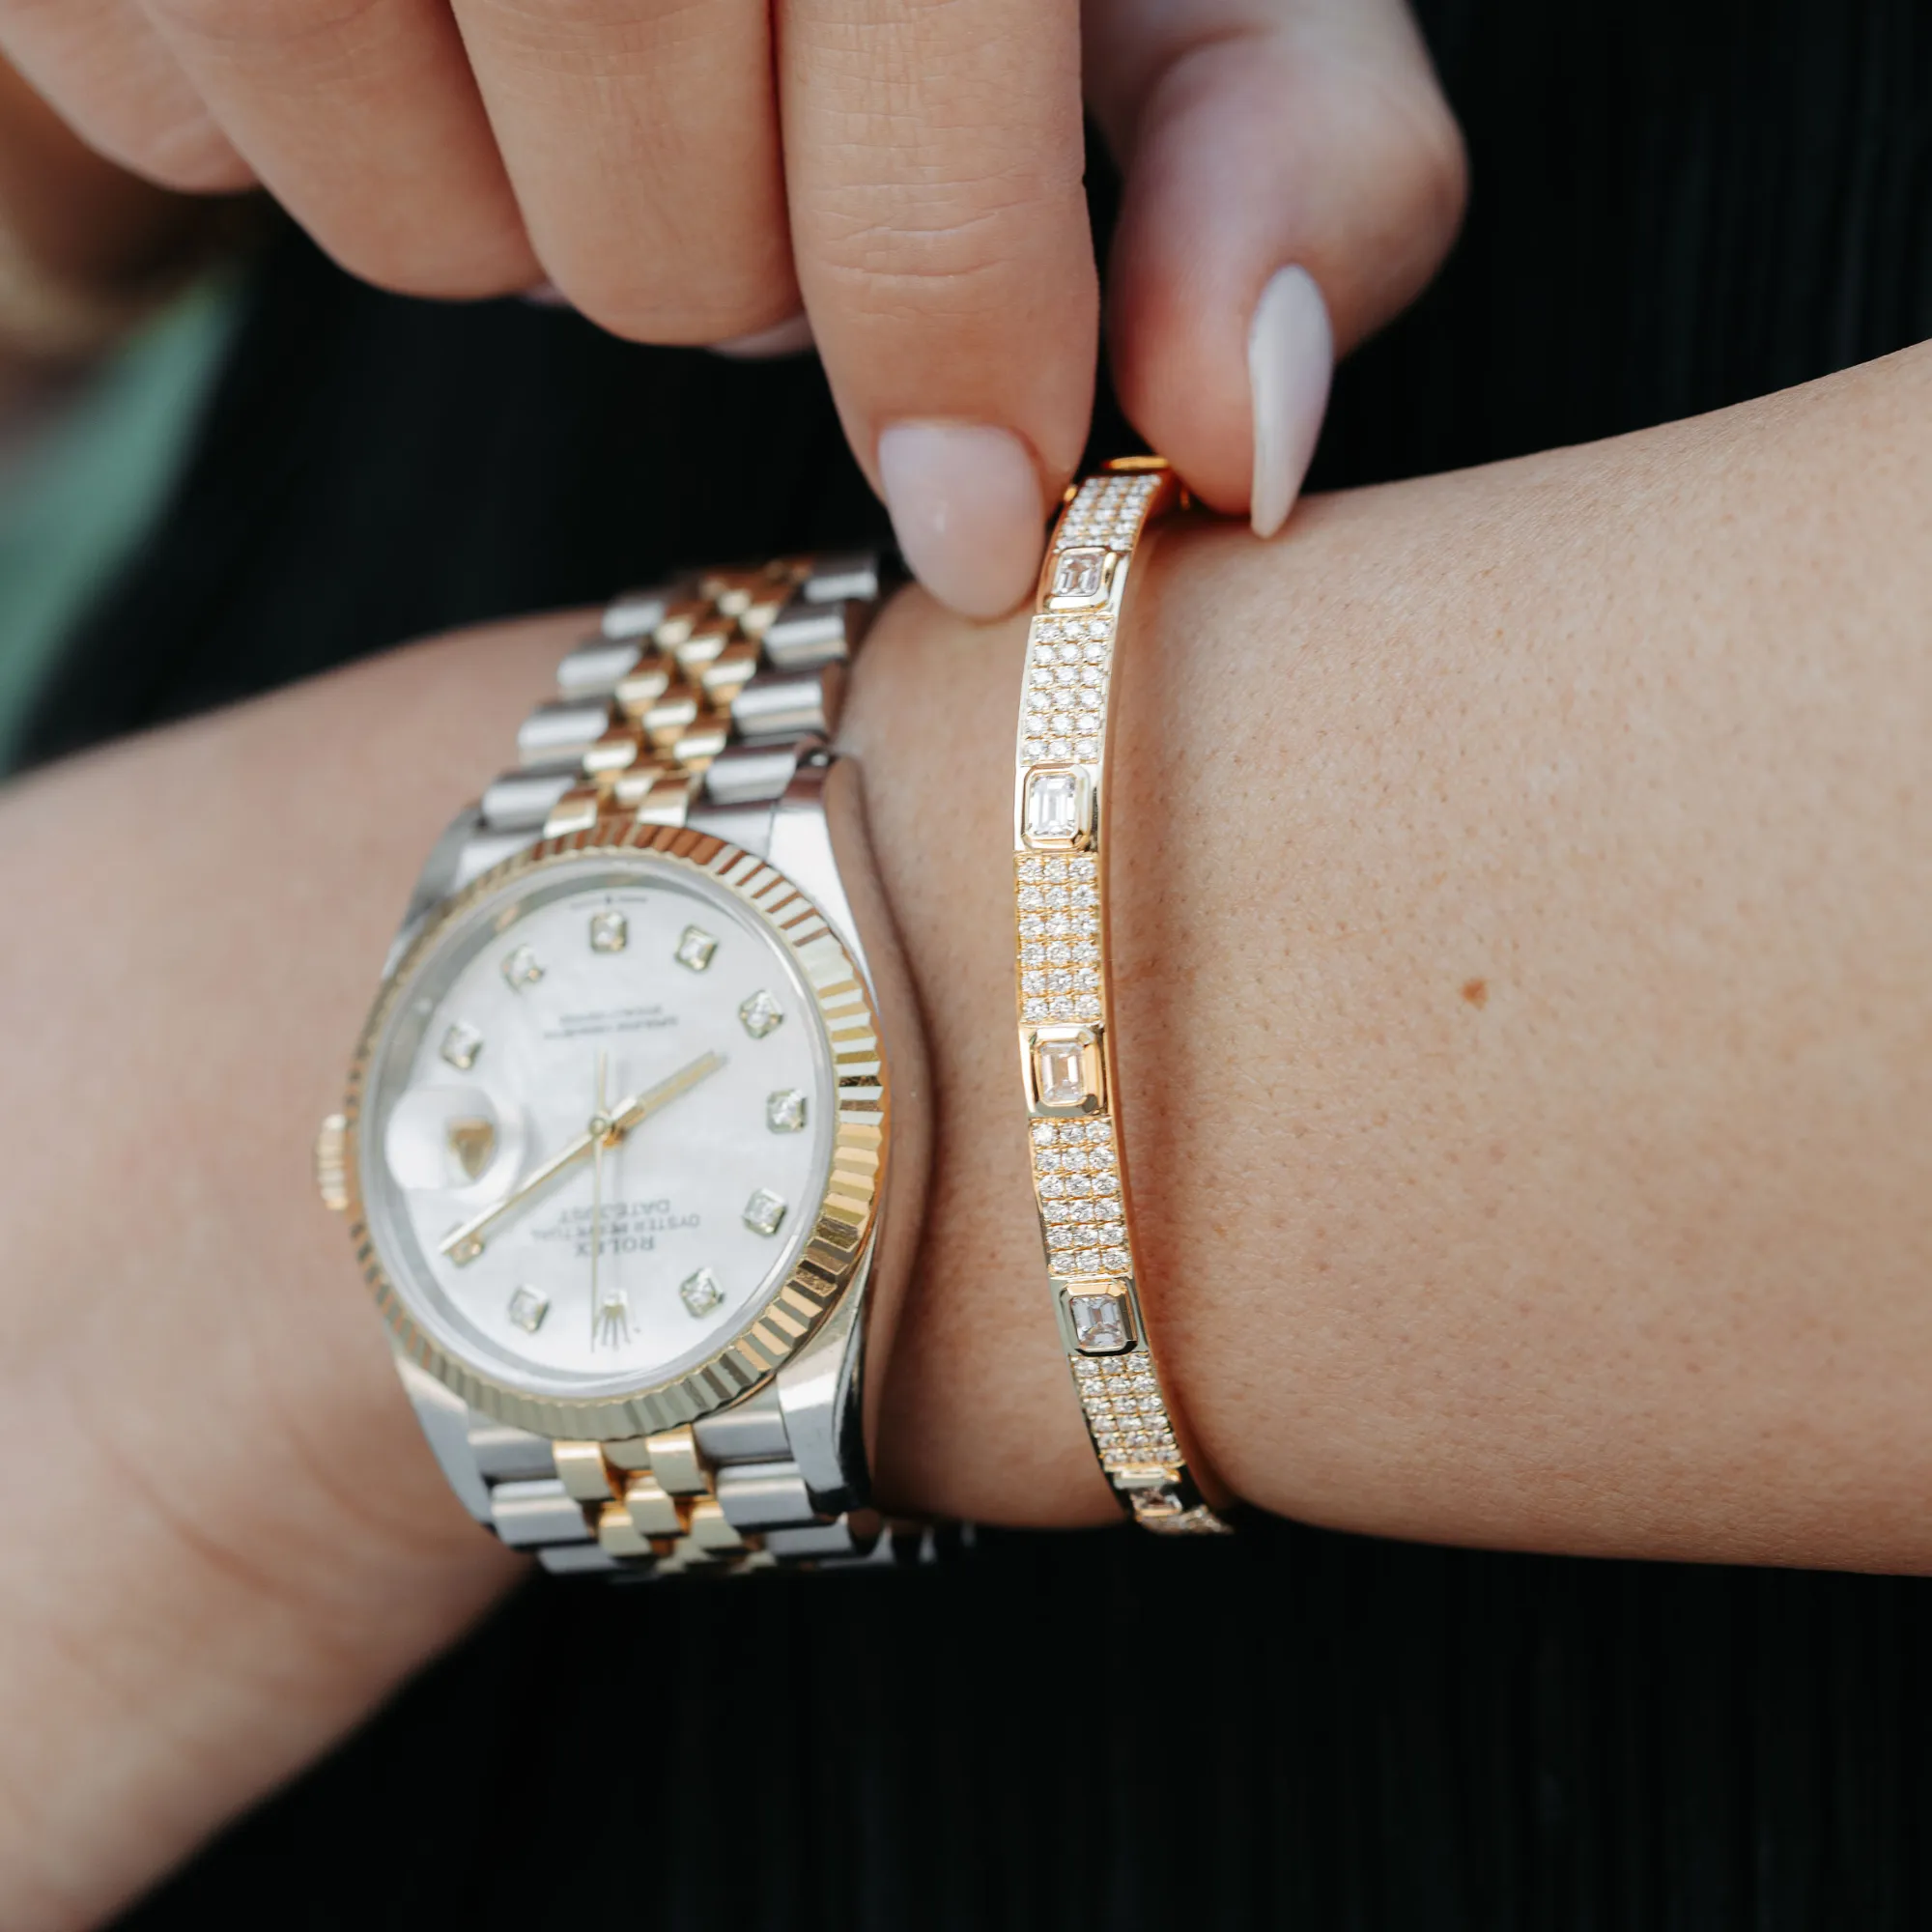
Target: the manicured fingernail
pixel 546 294
pixel 790 337
pixel 965 506
pixel 1290 362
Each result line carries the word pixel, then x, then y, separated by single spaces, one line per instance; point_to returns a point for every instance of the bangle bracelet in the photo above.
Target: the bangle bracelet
pixel 1065 1005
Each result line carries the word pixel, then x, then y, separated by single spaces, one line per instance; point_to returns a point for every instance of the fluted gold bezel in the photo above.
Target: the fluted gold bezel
pixel 847 1209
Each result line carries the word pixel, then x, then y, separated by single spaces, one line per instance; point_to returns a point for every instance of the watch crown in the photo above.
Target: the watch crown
pixel 332 1164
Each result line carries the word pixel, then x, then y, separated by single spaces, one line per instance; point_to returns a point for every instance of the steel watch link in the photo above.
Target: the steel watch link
pixel 633 1154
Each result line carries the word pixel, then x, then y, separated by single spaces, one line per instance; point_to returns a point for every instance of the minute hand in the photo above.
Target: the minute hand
pixel 628 1114
pixel 625 1115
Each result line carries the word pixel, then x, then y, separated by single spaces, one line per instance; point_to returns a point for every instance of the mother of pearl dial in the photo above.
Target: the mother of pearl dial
pixel 535 1018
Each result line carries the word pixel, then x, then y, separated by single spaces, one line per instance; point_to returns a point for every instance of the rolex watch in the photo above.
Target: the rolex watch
pixel 634 1149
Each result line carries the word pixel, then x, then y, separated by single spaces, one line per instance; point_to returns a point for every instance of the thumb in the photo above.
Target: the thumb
pixel 1294 177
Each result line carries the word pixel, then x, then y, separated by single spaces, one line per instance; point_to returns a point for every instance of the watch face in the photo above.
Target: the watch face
pixel 597 1126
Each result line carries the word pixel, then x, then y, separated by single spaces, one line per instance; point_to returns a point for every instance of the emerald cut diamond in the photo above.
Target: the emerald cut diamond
pixel 1080 576
pixel 1060 1070
pixel 1056 805
pixel 1100 1323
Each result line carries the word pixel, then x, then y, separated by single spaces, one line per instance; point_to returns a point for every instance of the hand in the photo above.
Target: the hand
pixel 908 175
pixel 94 250
pixel 464 1243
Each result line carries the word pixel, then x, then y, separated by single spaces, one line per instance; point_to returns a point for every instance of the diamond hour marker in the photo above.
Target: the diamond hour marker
pixel 760 1014
pixel 784 1111
pixel 609 933
pixel 527 1309
pixel 700 1293
pixel 695 948
pixel 461 1045
pixel 521 969
pixel 764 1211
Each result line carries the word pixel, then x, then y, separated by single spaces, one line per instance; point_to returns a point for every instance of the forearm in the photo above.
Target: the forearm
pixel 223 1535
pixel 1523 912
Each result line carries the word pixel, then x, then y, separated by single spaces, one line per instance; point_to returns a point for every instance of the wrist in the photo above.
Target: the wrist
pixel 234 1531
pixel 982 1422
pixel 1480 904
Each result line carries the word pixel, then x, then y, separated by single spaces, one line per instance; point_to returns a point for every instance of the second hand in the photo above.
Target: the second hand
pixel 599 1128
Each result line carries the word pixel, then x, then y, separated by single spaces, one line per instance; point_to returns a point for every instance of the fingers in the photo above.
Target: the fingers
pixel 790 337
pixel 642 140
pixel 934 159
pixel 625 151
pixel 1294 178
pixel 362 119
pixel 116 84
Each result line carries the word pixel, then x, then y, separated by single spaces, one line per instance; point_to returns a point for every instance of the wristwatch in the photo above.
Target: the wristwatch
pixel 634 1149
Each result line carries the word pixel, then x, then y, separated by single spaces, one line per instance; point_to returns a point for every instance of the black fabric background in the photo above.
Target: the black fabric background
pixel 1677 204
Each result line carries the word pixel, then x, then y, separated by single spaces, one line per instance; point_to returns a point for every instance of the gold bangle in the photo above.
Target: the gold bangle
pixel 1065 1001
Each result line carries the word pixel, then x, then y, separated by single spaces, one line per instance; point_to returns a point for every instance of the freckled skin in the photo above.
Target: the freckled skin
pixel 1674 1305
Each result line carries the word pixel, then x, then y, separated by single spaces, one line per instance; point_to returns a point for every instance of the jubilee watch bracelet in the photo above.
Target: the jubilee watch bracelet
pixel 634 1147
pixel 1067 1047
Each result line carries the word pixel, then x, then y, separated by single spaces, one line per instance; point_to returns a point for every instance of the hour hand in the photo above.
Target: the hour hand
pixel 465 1242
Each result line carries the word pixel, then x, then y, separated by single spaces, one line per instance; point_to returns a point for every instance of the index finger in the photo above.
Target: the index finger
pixel 933 160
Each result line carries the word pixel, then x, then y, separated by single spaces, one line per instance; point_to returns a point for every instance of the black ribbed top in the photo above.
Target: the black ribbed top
pixel 1677 204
